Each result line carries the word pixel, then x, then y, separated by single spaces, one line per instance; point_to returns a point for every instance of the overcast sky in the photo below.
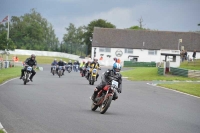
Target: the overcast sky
pixel 163 15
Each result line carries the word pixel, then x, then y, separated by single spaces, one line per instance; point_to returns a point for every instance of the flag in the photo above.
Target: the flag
pixel 5 19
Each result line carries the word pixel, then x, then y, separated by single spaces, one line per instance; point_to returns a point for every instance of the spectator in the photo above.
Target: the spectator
pixel 182 55
pixel 185 54
pixel 194 55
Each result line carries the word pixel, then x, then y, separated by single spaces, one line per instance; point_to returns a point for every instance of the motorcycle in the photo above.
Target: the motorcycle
pixel 60 71
pixel 69 68
pixel 92 76
pixel 76 68
pixel 53 70
pixel 27 74
pixel 104 97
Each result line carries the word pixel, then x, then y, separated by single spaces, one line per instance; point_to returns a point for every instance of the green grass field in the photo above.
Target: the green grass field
pixel 149 74
pixel 190 88
pixel 40 59
pixel 6 74
pixel 193 65
pixel 1 131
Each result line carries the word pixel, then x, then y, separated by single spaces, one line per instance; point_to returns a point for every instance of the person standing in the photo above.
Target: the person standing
pixel 194 55
pixel 185 54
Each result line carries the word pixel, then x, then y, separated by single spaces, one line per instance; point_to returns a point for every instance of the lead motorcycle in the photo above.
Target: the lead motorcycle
pixel 27 74
pixel 105 96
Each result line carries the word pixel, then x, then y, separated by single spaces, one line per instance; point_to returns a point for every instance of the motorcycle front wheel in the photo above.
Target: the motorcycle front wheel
pixel 26 79
pixel 106 104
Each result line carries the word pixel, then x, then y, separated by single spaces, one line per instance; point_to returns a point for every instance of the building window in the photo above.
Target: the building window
pixel 129 51
pixel 152 52
pixel 104 49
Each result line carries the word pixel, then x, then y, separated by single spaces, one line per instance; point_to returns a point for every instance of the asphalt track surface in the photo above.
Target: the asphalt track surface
pixel 62 105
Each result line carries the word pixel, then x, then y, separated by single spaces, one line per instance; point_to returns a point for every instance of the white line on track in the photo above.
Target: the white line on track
pixel 7 81
pixel 173 90
pixel 2 128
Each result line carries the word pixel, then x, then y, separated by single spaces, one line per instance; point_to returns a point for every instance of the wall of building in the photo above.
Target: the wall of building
pixel 142 53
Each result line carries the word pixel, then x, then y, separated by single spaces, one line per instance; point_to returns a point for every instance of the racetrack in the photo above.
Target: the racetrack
pixel 62 105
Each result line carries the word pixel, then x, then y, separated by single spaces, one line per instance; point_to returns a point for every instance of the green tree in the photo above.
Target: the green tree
pixel 73 39
pixel 32 31
pixel 90 28
pixel 136 28
pixel 4 41
pixel 199 24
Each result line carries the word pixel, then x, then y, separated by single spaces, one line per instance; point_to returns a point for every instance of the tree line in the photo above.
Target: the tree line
pixel 30 31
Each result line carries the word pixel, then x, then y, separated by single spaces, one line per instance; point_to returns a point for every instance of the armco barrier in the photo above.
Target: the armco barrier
pixel 179 71
pixel 160 71
pixel 194 73
pixel 43 53
pixel 139 64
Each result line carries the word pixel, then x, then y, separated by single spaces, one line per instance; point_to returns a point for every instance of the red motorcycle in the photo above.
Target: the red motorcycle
pixel 104 97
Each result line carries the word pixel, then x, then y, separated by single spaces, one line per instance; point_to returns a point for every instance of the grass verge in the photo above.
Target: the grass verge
pixel 1 131
pixel 6 74
pixel 190 88
pixel 193 65
pixel 40 59
pixel 149 74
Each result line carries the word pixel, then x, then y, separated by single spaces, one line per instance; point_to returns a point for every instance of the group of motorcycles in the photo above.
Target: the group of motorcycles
pixel 104 97
pixel 68 68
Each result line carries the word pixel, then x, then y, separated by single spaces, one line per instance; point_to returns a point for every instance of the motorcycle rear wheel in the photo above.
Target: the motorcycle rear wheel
pixel 104 107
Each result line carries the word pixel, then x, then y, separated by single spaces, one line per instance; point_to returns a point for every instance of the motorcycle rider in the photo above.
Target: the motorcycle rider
pixel 86 66
pixel 95 65
pixel 70 63
pixel 74 66
pixel 54 63
pixel 81 67
pixel 61 63
pixel 32 63
pixel 106 77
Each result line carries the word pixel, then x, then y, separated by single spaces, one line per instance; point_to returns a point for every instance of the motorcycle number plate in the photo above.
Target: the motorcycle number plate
pixel 115 83
pixel 94 70
pixel 29 68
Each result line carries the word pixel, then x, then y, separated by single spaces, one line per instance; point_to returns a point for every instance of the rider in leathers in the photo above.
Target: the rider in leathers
pixel 61 63
pixel 86 66
pixel 70 63
pixel 32 63
pixel 54 63
pixel 95 65
pixel 107 77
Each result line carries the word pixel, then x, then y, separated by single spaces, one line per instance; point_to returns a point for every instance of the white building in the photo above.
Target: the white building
pixel 140 45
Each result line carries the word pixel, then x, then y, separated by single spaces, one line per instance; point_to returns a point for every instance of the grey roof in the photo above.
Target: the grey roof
pixel 125 38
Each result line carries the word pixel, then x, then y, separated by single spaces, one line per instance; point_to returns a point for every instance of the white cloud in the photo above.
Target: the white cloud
pixel 121 17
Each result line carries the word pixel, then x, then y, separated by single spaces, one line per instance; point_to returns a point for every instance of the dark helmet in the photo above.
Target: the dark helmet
pixel 33 56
